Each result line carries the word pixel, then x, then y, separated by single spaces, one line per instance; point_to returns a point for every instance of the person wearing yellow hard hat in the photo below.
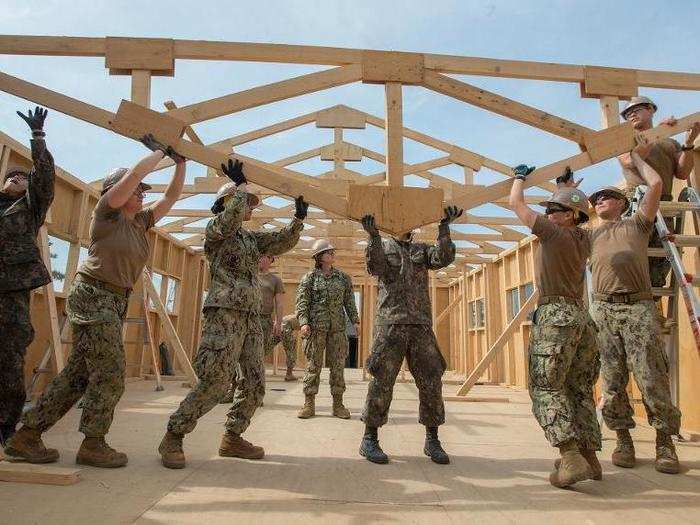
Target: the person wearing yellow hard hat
pixel 563 353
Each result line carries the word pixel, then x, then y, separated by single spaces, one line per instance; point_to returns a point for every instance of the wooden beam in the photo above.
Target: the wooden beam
pixel 261 95
pixel 496 347
pixel 141 87
pixel 38 474
pixel 506 107
pixel 448 309
pixel 50 300
pixel 394 135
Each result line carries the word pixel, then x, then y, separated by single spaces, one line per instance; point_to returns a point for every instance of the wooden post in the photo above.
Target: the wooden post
pixel 50 299
pixel 610 111
pixel 338 160
pixel 394 134
pixel 149 331
pixel 141 87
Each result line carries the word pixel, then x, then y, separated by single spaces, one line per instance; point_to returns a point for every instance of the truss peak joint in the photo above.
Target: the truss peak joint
pixel 609 81
pixel 341 117
pixel 123 55
pixel 380 67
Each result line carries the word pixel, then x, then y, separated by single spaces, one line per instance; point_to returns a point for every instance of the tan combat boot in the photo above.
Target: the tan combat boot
pixel 573 467
pixel 26 445
pixel 170 450
pixel 590 456
pixel 290 375
pixel 95 451
pixel 339 409
pixel 666 458
pixel 623 455
pixel 234 446
pixel 309 408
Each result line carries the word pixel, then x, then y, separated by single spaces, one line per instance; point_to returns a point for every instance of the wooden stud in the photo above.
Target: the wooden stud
pixel 394 134
pixel 134 120
pixel 379 67
pixel 609 81
pixel 141 87
pixel 50 301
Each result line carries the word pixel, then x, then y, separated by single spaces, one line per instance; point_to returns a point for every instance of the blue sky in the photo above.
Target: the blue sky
pixel 640 34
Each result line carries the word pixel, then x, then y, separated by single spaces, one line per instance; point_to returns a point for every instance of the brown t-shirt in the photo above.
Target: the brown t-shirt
pixel 663 158
pixel 560 261
pixel 271 286
pixel 119 247
pixel 619 259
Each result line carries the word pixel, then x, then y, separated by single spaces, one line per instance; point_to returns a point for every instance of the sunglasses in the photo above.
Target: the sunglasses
pixel 555 209
pixel 604 197
pixel 635 110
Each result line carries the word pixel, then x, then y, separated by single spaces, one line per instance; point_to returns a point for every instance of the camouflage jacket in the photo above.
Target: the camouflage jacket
pixel 323 301
pixel 402 270
pixel 233 253
pixel 21 265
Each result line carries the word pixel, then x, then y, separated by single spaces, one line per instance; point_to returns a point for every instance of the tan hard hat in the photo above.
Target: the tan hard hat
pixel 320 246
pixel 609 189
pixel 229 189
pixel 115 176
pixel 637 101
pixel 571 198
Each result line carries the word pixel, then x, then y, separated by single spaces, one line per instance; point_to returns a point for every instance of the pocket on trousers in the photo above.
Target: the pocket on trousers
pixel 546 358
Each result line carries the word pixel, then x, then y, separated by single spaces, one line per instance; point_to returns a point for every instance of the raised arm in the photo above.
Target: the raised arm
pixel 443 252
pixel 516 200
pixel 279 242
pixel 42 178
pixel 172 192
pixel 650 202
pixel 374 253
pixel 227 223
pixel 686 158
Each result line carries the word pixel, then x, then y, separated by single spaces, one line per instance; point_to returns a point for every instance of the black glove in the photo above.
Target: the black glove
pixel 153 144
pixel 302 208
pixel 568 175
pixel 369 226
pixel 35 121
pixel 452 213
pixel 174 155
pixel 234 171
pixel 521 171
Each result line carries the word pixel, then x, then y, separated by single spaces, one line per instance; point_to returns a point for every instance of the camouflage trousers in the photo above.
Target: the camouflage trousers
pixel 629 341
pixel 270 340
pixel 289 343
pixel 17 333
pixel 417 343
pixel 563 368
pixel 229 338
pixel 96 367
pixel 335 346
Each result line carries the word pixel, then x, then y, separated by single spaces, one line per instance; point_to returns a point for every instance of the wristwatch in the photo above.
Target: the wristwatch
pixel 687 147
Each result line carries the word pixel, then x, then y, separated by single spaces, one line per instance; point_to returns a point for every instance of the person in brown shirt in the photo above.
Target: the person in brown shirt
pixel 96 308
pixel 669 159
pixel 627 321
pixel 563 354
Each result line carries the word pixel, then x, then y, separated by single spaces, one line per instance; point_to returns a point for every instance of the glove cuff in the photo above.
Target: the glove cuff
pixel 444 227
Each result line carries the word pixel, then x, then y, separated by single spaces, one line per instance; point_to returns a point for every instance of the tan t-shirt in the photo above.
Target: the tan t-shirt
pixel 619 259
pixel 271 286
pixel 663 157
pixel 560 261
pixel 119 247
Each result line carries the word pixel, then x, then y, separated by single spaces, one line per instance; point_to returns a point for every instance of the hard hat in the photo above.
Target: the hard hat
pixel 637 101
pixel 320 246
pixel 115 176
pixel 571 198
pixel 229 189
pixel 617 192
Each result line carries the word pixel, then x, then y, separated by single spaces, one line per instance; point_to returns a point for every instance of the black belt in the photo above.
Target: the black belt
pixel 622 298
pixel 125 292
pixel 552 299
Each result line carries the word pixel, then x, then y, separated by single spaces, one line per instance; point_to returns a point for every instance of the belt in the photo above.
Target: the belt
pixel 125 292
pixel 623 298
pixel 551 299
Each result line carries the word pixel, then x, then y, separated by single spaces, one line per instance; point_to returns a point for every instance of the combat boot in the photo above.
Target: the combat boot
pixel 170 449
pixel 26 445
pixel 234 446
pixel 623 455
pixel 95 451
pixel 309 408
pixel 572 468
pixel 666 458
pixel 339 409
pixel 7 430
pixel 590 456
pixel 290 376
pixel 433 447
pixel 370 449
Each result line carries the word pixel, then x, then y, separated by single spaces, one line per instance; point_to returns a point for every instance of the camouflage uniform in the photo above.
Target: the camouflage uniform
pixel 403 325
pixel 563 368
pixel 21 270
pixel 270 340
pixel 232 332
pixel 96 367
pixel 290 325
pixel 321 302
pixel 628 335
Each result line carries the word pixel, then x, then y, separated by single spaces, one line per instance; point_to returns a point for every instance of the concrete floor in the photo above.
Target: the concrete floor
pixel 313 473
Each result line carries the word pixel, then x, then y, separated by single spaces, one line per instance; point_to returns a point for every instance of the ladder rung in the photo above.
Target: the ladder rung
pixel 676 207
pixel 663 292
pixel 688 240
pixel 134 320
pixel 657 252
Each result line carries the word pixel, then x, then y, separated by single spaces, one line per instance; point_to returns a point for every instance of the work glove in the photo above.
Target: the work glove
pixel 521 171
pixel 369 226
pixel 452 213
pixel 153 144
pixel 302 208
pixel 35 120
pixel 174 155
pixel 234 171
